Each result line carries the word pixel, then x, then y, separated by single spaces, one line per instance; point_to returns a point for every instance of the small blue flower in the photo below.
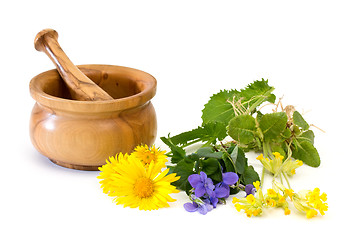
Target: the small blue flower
pixel 222 189
pixel 250 189
pixel 202 184
pixel 202 206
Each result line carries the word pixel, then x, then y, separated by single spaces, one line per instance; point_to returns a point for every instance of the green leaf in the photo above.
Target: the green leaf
pixel 273 124
pixel 177 153
pixel 307 153
pixel 218 109
pixel 239 160
pixel 208 152
pixel 258 89
pixel 242 128
pixel 206 133
pixel 228 163
pixel 212 168
pixel 306 136
pixel 300 121
pixel 183 169
pixel 250 175
pixel 275 147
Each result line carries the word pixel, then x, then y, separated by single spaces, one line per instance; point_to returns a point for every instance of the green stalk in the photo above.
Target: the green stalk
pixel 287 180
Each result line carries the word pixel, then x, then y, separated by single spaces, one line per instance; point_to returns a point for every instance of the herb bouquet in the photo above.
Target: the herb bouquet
pixel 234 124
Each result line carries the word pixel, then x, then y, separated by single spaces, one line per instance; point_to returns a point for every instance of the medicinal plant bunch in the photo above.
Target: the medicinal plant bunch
pixel 233 123
pixel 138 180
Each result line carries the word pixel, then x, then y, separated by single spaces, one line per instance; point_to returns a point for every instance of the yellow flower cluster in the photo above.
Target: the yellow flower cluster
pixel 251 205
pixel 275 165
pixel 308 202
pixel 254 205
pixel 138 179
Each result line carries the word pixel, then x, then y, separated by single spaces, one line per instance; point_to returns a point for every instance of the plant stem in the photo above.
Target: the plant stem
pixel 287 180
pixel 262 177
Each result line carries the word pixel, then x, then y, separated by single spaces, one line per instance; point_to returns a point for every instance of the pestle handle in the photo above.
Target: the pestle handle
pixel 81 87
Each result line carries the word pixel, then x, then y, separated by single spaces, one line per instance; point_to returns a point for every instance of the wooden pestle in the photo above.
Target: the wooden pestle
pixel 81 87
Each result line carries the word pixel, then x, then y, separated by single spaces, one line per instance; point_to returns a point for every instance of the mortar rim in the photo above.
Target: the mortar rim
pixel 53 102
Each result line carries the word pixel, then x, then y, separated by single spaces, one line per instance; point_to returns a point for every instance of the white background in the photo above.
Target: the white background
pixel 309 51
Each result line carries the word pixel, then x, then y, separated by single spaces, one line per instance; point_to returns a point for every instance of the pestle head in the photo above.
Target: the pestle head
pixel 39 39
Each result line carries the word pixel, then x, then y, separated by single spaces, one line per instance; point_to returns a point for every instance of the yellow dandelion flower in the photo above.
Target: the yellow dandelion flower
pixel 108 170
pixel 146 188
pixel 148 155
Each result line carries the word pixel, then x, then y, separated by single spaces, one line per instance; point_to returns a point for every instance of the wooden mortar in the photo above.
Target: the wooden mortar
pixel 83 134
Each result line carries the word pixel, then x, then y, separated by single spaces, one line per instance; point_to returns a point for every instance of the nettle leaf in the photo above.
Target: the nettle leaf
pixel 306 152
pixel 273 124
pixel 209 132
pixel 242 128
pixel 258 88
pixel 300 121
pixel 218 109
pixel 239 160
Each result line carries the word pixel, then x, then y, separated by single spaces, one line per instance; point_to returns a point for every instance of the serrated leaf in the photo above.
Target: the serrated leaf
pixel 239 160
pixel 307 153
pixel 242 128
pixel 258 88
pixel 218 109
pixel 272 125
pixel 209 132
pixel 300 121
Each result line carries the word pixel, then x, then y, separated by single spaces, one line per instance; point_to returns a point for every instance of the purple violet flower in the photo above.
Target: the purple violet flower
pixel 202 206
pixel 250 189
pixel 202 184
pixel 222 189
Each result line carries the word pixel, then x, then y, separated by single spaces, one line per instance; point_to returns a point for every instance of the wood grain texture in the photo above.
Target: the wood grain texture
pixel 81 87
pixel 83 134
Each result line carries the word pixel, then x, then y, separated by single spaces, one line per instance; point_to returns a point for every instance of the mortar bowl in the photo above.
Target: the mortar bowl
pixel 83 134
